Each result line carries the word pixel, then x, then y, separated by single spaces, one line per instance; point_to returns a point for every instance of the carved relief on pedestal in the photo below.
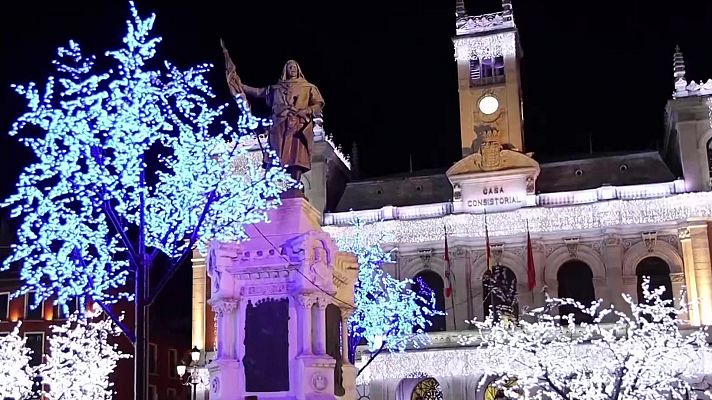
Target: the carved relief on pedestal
pixel 319 382
pixel 313 253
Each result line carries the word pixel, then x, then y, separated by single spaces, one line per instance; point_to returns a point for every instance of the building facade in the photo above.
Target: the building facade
pixel 598 224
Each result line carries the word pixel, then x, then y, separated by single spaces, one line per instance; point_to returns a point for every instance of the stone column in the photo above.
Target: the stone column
pixel 226 375
pixel 539 252
pixel 226 310
pixel 320 323
pixel 476 295
pixel 198 303
pixel 612 253
pixel 601 290
pixel 305 330
pixel 678 282
pixel 630 287
pixel 348 371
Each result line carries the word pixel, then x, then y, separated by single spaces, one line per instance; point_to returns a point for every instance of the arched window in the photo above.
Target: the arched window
pixel 659 272
pixel 433 281
pixel 495 391
pixel 499 292
pixel 576 282
pixel 427 389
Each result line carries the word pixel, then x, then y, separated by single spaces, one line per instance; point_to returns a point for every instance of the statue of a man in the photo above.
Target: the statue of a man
pixel 294 103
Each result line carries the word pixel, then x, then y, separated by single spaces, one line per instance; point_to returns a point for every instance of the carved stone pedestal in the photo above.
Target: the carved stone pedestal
pixel 270 295
pixel 316 377
pixel 349 381
pixel 226 379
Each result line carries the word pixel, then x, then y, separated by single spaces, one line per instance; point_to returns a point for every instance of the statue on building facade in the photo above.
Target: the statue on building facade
pixel 294 103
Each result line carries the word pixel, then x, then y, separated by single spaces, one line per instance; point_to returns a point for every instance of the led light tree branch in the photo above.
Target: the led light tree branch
pixel 131 161
pixel 105 140
pixel 389 314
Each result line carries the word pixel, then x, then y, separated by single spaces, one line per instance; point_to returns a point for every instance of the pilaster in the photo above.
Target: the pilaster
pixel 698 274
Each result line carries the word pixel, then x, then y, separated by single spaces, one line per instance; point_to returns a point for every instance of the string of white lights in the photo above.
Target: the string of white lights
pixel 489 46
pixel 600 215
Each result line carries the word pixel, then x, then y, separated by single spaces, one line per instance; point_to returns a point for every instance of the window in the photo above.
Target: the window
pixel 71 306
pixel 30 312
pixel 4 306
pixel 487 71
pixel 152 358
pixel 171 394
pixel 172 363
pixel 576 281
pixel 424 283
pixel 499 294
pixel 152 393
pixel 35 342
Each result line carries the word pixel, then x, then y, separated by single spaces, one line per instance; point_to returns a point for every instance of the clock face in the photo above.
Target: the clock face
pixel 488 104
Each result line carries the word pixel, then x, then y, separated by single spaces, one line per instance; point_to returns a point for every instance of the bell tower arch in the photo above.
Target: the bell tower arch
pixel 488 53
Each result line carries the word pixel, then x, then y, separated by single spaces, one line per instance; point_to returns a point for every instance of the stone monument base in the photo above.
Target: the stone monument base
pixel 290 261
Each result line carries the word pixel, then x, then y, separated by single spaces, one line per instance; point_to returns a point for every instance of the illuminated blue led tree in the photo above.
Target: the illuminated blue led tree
pixel 131 162
pixel 388 314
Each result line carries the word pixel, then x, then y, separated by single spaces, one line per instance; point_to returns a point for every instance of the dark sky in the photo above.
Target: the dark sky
pixel 386 67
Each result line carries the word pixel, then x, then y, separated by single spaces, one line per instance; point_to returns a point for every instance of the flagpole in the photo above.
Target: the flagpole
pixel 530 262
pixel 448 275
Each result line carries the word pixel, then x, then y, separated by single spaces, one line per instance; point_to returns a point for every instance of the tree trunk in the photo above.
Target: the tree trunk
pixel 141 326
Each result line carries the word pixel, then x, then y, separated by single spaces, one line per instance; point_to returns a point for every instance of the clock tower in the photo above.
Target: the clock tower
pixel 488 53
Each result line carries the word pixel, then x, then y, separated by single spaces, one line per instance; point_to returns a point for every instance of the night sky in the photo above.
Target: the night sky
pixel 594 69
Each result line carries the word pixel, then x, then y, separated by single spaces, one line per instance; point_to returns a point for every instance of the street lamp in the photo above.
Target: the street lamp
pixel 191 373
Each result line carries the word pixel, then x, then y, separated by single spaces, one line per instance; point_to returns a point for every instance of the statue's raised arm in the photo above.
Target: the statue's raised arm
pixel 237 88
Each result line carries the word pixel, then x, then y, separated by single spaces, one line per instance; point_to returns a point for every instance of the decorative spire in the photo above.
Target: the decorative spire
pixel 354 162
pixel 678 67
pixel 507 9
pixel 460 10
pixel 678 64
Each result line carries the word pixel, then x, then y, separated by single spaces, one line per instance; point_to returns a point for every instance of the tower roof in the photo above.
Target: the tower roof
pixel 467 24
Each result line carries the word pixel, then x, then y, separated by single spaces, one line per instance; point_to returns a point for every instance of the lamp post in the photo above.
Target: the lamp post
pixel 191 373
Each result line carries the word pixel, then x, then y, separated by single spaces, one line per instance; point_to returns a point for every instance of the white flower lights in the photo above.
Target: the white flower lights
pixel 640 355
pixel 15 371
pixel 80 360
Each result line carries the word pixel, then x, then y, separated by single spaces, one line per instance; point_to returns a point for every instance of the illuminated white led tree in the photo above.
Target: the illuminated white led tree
pixel 641 355
pixel 388 314
pixel 15 371
pixel 132 163
pixel 80 360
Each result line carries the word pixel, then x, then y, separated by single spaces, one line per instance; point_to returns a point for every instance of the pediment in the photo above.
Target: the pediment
pixel 506 160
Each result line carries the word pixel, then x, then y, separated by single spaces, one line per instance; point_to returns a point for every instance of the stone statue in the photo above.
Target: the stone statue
pixel 294 103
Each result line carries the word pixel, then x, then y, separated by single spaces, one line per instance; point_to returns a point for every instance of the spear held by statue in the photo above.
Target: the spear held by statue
pixel 236 90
